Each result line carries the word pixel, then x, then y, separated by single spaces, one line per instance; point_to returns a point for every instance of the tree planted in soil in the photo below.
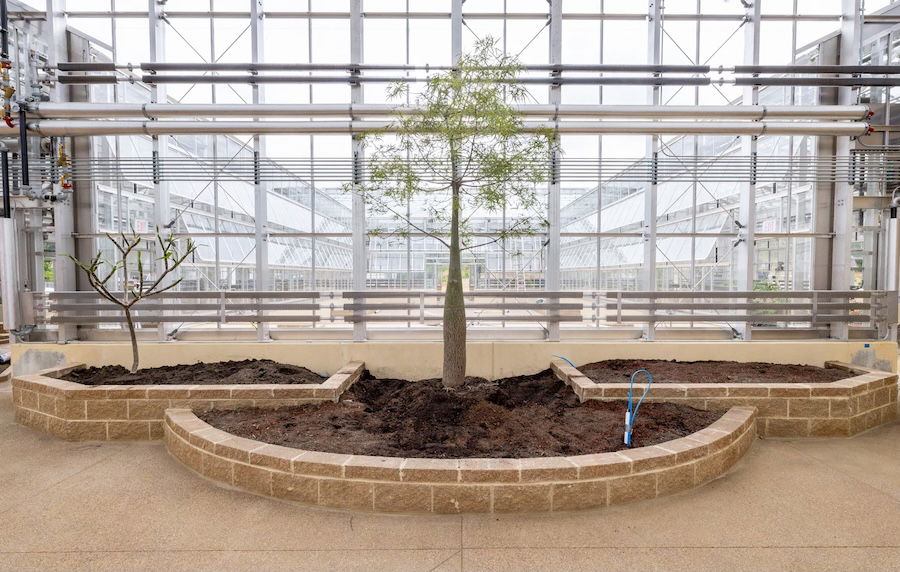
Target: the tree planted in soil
pixel 461 151
pixel 100 272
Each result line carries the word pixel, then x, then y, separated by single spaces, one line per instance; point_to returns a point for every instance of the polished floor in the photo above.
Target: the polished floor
pixel 788 505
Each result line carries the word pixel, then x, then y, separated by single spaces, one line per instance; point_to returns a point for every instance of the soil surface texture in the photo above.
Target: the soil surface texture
pixel 218 373
pixel 620 370
pixel 526 416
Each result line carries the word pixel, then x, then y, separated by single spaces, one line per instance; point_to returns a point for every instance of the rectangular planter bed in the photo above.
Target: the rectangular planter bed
pixel 837 409
pixel 77 412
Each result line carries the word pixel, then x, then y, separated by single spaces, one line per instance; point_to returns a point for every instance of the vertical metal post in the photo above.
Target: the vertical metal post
pixel 4 155
pixel 841 277
pixel 358 214
pixel 217 240
pixel 553 192
pixel 654 56
pixel 455 30
pixel 746 220
pixel 260 192
pixel 160 143
pixel 63 211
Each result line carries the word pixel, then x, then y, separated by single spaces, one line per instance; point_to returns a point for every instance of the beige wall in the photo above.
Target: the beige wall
pixel 419 360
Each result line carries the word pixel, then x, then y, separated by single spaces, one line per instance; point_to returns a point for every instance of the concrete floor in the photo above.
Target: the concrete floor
pixel 797 505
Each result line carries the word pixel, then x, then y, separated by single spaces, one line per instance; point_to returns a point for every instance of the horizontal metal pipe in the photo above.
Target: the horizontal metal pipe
pixel 623 68
pixel 87 79
pixel 820 81
pixel 255 67
pixel 163 110
pixel 153 79
pixel 86 66
pixel 803 69
pixel 75 128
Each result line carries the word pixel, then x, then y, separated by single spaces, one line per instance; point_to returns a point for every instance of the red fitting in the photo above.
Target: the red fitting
pixel 8 120
pixel 870 114
pixel 870 129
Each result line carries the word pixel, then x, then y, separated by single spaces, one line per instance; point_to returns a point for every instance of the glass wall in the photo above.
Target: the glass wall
pixel 307 223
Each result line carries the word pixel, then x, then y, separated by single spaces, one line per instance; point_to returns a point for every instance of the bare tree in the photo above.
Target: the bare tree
pixel 99 278
pixel 463 151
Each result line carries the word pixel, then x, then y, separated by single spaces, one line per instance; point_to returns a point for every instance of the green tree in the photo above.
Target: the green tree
pixel 460 150
pixel 101 272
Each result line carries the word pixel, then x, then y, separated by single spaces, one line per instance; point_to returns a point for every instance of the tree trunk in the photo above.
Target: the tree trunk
pixel 134 345
pixel 454 306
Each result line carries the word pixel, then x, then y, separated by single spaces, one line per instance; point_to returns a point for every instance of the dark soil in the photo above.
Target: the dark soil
pixel 218 373
pixel 527 416
pixel 620 370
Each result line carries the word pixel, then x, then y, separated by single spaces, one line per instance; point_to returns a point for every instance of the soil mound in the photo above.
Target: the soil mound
pixel 218 373
pixel 526 416
pixel 620 370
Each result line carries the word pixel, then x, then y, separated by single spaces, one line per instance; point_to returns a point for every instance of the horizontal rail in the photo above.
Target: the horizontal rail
pixel 542 318
pixel 741 294
pixel 475 294
pixel 737 306
pixel 511 306
pixel 819 319
pixel 156 318
pixel 184 307
pixel 180 294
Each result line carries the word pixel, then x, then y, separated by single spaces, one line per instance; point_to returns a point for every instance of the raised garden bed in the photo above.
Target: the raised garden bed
pixel 525 416
pixel 118 411
pixel 863 399
pixel 468 485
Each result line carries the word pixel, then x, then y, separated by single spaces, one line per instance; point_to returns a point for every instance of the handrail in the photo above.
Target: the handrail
pixel 800 311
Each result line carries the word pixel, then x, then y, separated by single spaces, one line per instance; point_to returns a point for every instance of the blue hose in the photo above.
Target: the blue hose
pixel 567 361
pixel 632 411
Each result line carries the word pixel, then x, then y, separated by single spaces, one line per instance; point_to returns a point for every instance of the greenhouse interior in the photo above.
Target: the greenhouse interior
pixel 348 202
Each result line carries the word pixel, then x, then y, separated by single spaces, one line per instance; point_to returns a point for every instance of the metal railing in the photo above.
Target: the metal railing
pixel 86 308
pixel 504 313
pixel 876 309
pixel 482 307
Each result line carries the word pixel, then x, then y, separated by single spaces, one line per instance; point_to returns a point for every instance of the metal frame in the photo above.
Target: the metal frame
pixel 60 119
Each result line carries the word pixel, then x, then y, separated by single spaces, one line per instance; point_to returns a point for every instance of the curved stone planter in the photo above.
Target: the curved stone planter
pixel 78 412
pixel 838 409
pixel 392 484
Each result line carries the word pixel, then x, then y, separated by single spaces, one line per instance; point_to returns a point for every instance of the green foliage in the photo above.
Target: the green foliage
pixel 764 286
pixel 463 138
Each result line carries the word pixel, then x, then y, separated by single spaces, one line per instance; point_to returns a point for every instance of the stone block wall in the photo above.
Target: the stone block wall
pixel 421 485
pixel 77 412
pixel 838 409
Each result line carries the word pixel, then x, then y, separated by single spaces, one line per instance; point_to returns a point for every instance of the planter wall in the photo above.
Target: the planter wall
pixel 79 412
pixel 838 409
pixel 392 484
pixel 422 359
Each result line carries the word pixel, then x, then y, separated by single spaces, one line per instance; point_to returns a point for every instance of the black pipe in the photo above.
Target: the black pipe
pixel 4 155
pixel 4 167
pixel 23 144
pixel 152 79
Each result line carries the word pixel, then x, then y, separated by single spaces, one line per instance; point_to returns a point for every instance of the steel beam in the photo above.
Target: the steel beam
pixel 358 205
pixel 278 110
pixel 746 221
pixel 841 262
pixel 654 57
pixel 552 269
